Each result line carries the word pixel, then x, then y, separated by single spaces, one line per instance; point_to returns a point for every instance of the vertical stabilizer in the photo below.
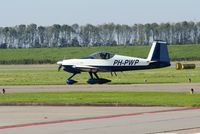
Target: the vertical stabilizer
pixel 159 52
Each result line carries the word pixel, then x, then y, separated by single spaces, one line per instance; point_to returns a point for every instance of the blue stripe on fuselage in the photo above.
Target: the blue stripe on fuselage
pixel 128 68
pixel 71 69
pixel 120 68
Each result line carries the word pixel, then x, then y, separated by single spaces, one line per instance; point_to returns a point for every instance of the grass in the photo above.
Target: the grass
pixel 52 55
pixel 103 98
pixel 52 77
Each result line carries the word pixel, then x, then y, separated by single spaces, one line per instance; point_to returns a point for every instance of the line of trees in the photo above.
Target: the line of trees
pixel 33 36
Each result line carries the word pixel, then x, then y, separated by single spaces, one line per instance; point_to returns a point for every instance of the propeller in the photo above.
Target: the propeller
pixel 59 67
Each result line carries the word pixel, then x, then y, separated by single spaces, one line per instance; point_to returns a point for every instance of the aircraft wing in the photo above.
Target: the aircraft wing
pixel 86 68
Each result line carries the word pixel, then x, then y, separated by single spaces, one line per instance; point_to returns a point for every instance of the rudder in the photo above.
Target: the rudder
pixel 159 52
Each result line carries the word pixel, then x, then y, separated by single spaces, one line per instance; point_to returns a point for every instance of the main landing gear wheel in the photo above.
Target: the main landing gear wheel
pixel 96 80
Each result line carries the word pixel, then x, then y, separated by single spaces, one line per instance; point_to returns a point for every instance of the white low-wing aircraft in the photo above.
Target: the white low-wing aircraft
pixel 107 62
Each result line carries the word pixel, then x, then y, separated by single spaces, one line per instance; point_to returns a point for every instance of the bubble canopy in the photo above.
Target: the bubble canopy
pixel 99 55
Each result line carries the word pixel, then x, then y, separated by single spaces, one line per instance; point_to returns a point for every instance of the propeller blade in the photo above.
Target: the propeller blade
pixel 59 67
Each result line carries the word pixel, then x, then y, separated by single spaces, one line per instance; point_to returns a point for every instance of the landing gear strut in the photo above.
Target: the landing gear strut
pixel 70 81
pixel 96 80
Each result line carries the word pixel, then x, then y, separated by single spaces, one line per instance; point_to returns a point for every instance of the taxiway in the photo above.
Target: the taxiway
pixel 98 120
pixel 171 87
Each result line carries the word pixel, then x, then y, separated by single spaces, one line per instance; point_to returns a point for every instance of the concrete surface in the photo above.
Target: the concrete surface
pixel 98 120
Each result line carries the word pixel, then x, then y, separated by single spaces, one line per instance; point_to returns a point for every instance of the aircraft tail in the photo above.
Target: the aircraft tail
pixel 159 53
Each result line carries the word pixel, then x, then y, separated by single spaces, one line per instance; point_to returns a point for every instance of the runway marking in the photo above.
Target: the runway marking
pixel 93 118
pixel 178 130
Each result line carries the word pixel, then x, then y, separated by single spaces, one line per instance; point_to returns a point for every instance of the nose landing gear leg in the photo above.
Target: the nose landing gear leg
pixel 70 81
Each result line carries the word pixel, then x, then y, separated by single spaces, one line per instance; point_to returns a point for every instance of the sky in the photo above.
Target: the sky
pixel 82 12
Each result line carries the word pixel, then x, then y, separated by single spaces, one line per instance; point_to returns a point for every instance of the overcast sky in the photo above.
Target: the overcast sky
pixel 48 12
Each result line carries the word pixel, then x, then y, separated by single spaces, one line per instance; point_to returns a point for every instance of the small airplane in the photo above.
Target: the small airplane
pixel 108 62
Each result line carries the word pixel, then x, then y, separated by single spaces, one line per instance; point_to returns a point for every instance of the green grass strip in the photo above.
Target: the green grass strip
pixel 53 77
pixel 52 55
pixel 112 98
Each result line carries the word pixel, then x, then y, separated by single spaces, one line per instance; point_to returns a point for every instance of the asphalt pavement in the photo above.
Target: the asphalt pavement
pixel 98 120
